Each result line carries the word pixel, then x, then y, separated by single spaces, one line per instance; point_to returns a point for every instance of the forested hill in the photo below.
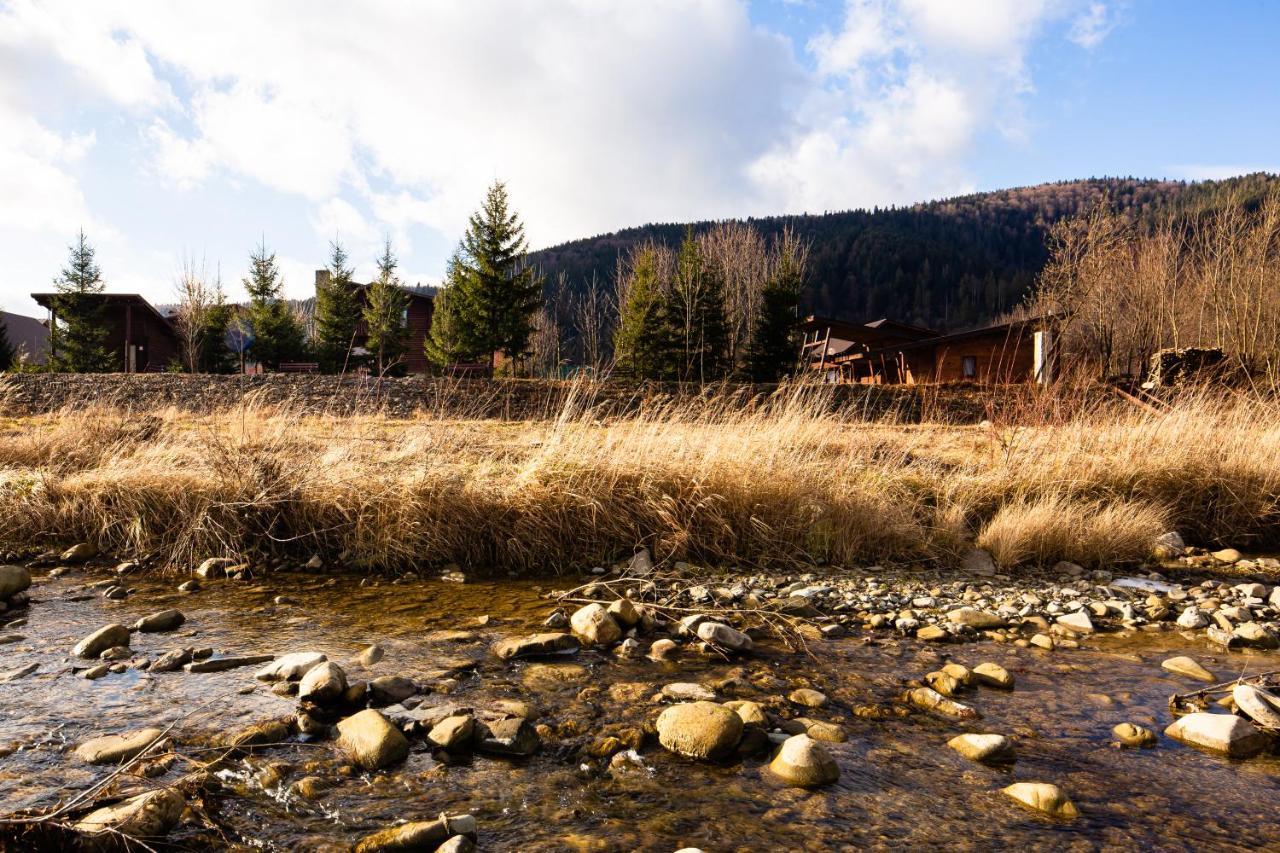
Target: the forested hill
pixel 947 264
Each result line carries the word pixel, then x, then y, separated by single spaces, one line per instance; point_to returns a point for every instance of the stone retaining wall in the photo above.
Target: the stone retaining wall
pixel 509 399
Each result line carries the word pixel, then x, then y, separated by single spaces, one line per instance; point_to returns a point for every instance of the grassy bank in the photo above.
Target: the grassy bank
pixel 787 482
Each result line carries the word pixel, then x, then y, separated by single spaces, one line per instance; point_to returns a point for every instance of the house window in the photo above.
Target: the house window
pixel 969 366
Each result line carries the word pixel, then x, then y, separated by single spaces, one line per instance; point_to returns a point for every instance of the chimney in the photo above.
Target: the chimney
pixel 322 279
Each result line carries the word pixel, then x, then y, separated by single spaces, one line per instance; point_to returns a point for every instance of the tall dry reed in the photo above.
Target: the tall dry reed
pixel 722 481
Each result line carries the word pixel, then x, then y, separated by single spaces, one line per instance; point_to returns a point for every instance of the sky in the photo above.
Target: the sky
pixel 180 133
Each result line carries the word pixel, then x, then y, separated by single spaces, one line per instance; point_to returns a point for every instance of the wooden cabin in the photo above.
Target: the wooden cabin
pixel 139 338
pixel 1018 351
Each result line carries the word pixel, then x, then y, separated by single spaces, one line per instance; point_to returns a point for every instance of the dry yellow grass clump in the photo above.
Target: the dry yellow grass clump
pixel 719 483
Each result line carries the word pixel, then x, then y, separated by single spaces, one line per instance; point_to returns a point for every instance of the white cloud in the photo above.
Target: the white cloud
pixel 1094 25
pixel 904 90
pixel 389 118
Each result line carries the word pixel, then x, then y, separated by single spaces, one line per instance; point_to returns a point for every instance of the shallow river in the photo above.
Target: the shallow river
pixel 900 787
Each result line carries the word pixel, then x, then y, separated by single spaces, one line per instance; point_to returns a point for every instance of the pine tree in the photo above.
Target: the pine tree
pixel 444 345
pixel 695 311
pixel 499 293
pixel 773 349
pixel 642 339
pixel 277 334
pixel 337 314
pixel 384 314
pixel 78 340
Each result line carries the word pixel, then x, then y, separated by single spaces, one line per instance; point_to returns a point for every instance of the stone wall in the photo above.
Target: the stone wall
pixel 509 399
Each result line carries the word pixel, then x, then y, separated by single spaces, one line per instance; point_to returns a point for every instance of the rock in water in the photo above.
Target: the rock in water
pixel 663 650
pixel 802 762
pixel 290 667
pixel 989 748
pixel 538 645
pixel 323 684
pixel 624 612
pixel 453 732
pixel 993 675
pixel 808 698
pixel 418 835
pixel 1224 733
pixel 1184 665
pixel 511 736
pixel 594 625
pixel 148 815
pixel 1043 797
pixel 101 640
pixel 371 655
pixel 371 741
pixel 932 700
pixel 701 730
pixel 1258 705
pixel 688 691
pixel 723 636
pixel 116 749
pixel 13 580
pixel 165 620
pixel 390 689
pixel 1131 734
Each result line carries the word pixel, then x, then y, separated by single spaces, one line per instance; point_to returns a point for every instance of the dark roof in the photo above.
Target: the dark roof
pixel 1006 329
pixel 46 300
pixel 885 323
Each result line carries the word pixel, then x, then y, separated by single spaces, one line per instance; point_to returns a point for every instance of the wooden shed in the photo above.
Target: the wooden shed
pixel 139 338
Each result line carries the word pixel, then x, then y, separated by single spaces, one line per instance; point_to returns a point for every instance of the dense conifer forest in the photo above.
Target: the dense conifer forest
pixel 947 264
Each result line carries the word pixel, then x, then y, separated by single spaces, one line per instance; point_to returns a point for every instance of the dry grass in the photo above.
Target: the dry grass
pixel 781 482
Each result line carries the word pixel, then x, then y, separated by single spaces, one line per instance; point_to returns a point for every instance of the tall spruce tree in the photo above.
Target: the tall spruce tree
pixel 642 341
pixel 695 311
pixel 498 293
pixel 385 317
pixel 773 350
pixel 277 334
pixel 337 315
pixel 78 340
pixel 444 344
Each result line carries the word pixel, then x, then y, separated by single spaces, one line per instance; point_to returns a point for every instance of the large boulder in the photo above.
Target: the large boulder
pixel 594 626
pixel 1261 706
pixel 165 620
pixel 149 815
pixel 100 640
pixel 537 645
pixel 1228 734
pixel 13 580
pixel 701 730
pixel 418 835
pixel 323 684
pixel 1043 797
pixel 803 762
pixel 115 749
pixel 390 689
pixel 454 732
pixel 1078 622
pixel 290 667
pixel 371 741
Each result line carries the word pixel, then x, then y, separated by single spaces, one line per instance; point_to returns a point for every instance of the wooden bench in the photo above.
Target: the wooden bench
pixel 299 367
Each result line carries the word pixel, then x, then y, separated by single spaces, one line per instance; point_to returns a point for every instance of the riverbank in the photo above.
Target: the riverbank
pixel 714 484
pixel 571 750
